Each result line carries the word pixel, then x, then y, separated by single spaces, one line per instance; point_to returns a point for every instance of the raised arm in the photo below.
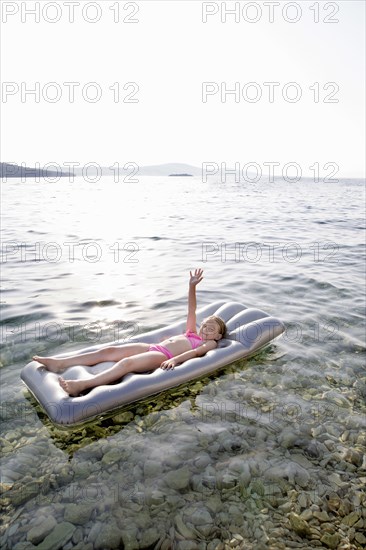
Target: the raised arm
pixel 192 302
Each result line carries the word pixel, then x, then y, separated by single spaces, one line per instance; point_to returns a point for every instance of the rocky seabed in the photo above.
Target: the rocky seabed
pixel 114 496
pixel 204 474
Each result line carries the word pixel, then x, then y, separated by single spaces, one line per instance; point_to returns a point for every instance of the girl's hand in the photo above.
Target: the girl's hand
pixel 196 277
pixel 169 364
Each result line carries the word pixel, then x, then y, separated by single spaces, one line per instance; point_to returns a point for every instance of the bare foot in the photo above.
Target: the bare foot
pixel 51 364
pixel 73 387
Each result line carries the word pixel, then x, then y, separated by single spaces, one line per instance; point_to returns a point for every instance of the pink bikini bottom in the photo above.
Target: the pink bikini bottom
pixel 162 349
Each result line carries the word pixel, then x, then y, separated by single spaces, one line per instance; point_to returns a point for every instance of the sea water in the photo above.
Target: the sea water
pixel 239 458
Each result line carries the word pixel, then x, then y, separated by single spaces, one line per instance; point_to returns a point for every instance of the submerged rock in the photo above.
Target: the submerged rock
pixel 123 417
pixel 78 513
pixel 330 540
pixel 108 536
pixel 152 468
pixel 37 533
pixel 321 516
pixel 129 539
pixel 361 539
pixel 178 479
pixel 58 538
pixel 112 456
pixel 354 457
pixel 185 530
pixel 201 520
pixel 351 518
pixel 149 537
pixel 299 525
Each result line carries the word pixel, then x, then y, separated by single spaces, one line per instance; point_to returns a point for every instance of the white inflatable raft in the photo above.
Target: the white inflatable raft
pixel 249 330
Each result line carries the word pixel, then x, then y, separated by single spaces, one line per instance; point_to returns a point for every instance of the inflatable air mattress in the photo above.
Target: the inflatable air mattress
pixel 249 330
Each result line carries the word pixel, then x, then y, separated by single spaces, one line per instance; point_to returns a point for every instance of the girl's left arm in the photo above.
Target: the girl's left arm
pixel 191 354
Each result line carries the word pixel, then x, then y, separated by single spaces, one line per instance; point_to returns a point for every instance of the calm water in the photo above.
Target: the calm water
pixel 86 263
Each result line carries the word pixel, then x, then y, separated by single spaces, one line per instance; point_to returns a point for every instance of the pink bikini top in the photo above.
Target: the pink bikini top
pixel 194 339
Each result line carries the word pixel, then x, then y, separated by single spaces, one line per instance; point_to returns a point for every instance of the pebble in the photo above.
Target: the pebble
pixel 112 456
pixel 328 527
pixel 37 533
pixel 78 514
pixel 360 524
pixel 306 515
pixel 187 545
pixel 108 536
pixel 293 544
pixel 302 461
pixel 123 417
pixel 303 501
pixel 129 539
pixel 331 541
pixel 149 537
pixel 354 457
pixel 321 516
pixel 214 504
pixel 83 546
pixel 155 498
pixel 361 539
pixel 286 507
pixel 152 468
pixel 58 538
pixel 77 536
pixel 299 525
pixel 178 479
pixel 351 518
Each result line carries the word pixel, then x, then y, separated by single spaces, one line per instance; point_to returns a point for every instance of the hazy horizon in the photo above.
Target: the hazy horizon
pixel 166 169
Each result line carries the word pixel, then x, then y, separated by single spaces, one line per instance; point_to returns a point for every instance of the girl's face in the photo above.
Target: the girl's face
pixel 210 330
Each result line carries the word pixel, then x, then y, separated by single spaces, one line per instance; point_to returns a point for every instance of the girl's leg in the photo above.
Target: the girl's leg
pixel 112 353
pixel 139 363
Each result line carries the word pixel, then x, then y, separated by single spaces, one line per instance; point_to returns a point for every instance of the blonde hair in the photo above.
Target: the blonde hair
pixel 221 323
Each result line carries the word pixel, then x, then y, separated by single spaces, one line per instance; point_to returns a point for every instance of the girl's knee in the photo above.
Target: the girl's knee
pixel 127 364
pixel 113 353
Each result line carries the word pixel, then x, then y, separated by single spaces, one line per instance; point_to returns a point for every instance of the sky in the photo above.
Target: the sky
pixel 151 83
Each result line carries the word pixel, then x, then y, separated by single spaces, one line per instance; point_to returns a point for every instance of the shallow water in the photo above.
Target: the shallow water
pixel 232 455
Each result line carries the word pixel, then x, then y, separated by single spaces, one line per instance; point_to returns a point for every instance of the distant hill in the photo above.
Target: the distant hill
pixel 161 170
pixel 8 170
pixel 171 169
pixel 15 171
pixel 94 170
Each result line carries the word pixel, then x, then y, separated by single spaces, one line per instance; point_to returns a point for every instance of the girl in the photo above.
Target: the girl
pixel 140 357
